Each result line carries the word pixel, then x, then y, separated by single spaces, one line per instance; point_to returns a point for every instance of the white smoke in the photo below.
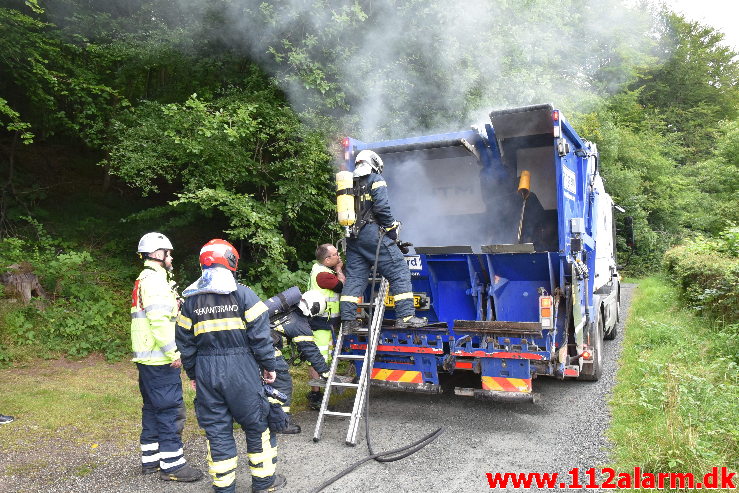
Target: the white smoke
pixel 396 68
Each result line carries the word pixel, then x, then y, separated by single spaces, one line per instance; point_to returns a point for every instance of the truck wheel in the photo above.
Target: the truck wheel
pixel 593 372
pixel 611 334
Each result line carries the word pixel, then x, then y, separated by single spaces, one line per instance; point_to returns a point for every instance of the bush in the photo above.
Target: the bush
pixel 707 272
pixel 87 311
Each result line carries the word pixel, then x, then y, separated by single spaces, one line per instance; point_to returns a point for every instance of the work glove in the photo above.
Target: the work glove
pixel 277 419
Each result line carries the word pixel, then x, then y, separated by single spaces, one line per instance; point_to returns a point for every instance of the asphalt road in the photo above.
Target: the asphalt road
pixel 562 431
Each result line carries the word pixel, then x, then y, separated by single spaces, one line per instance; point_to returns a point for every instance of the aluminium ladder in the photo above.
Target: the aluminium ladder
pixel 368 360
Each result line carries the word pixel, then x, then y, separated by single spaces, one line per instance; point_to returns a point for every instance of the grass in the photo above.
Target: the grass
pixel 676 402
pixel 87 403
pixel 70 413
pixel 82 402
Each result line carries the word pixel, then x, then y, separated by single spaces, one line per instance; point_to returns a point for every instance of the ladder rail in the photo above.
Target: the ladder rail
pixel 373 338
pixel 368 359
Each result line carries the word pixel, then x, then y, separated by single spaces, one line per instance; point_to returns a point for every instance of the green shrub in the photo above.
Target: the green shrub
pixel 706 271
pixel 87 307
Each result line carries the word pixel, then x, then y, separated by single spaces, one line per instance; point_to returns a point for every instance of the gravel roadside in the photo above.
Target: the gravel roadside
pixel 562 431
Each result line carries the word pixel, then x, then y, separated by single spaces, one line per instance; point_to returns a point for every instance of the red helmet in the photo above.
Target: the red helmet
pixel 219 252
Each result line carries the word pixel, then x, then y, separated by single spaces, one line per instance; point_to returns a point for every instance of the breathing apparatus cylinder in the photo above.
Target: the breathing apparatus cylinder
pixel 345 199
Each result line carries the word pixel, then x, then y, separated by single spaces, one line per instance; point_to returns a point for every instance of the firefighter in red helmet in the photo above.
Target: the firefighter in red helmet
pixel 224 338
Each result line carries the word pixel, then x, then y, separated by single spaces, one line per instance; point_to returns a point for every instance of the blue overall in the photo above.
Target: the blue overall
pixel 295 327
pixel 225 357
pixel 360 254
pixel 162 416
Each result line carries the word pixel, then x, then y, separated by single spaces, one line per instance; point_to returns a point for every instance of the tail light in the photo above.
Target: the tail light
pixel 546 315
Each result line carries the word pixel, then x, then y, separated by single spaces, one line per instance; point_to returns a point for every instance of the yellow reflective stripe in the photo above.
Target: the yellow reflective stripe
pixel 224 481
pixel 264 458
pixel 222 466
pixel 304 339
pixel 350 299
pixel 286 409
pixel 223 472
pixel 184 322
pixel 403 296
pixel 272 400
pixel 367 196
pixel 279 328
pixel 379 184
pixel 231 323
pixel 253 313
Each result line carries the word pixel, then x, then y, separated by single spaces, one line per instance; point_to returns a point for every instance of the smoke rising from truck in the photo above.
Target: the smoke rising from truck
pixel 396 68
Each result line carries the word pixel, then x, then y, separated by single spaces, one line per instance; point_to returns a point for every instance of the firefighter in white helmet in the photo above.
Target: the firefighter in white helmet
pixel 153 310
pixel 374 216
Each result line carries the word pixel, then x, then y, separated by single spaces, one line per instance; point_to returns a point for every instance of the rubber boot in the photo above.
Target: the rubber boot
pixel 185 474
pixel 279 483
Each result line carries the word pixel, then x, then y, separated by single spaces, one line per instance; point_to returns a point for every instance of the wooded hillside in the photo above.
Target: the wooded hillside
pixel 222 119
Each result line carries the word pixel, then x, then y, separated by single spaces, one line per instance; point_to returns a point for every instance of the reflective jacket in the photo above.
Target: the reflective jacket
pixel 222 324
pixel 153 312
pixel 332 297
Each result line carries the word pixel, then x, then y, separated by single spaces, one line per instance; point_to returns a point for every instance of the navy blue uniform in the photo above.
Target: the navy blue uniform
pixel 296 328
pixel 225 356
pixel 360 253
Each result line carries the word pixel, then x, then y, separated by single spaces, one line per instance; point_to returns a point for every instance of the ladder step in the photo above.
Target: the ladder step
pixel 344 384
pixel 339 380
pixel 351 356
pixel 361 330
pixel 336 413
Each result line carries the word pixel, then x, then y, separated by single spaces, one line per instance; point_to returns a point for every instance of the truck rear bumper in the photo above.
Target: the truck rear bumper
pixel 496 395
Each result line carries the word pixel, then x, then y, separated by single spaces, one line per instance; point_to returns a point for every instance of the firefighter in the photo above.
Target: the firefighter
pixel 289 314
pixel 153 310
pixel 373 217
pixel 224 337
pixel 326 277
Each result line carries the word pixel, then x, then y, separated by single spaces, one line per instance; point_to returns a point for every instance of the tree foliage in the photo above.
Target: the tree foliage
pixel 243 155
pixel 214 117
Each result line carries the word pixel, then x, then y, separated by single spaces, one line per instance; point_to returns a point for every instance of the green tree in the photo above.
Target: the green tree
pixel 244 157
pixel 695 88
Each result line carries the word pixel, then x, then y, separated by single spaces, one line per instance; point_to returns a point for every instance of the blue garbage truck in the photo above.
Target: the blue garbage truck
pixel 513 259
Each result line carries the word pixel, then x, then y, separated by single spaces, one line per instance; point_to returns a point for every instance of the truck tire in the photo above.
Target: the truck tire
pixel 593 372
pixel 611 334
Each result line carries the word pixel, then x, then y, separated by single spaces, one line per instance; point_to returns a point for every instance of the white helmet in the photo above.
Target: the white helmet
pixel 371 158
pixel 312 303
pixel 151 242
